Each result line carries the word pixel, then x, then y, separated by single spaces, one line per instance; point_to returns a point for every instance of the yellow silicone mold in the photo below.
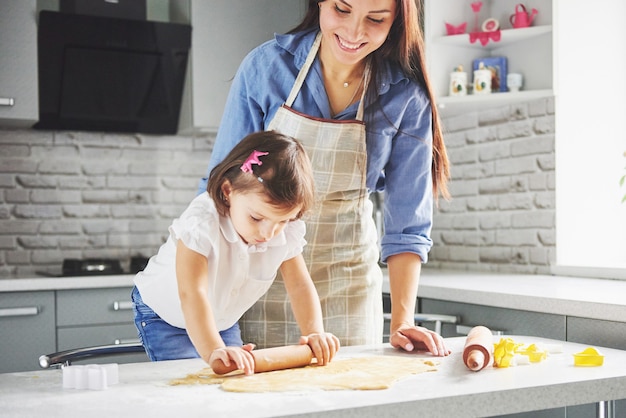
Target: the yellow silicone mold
pixel 588 357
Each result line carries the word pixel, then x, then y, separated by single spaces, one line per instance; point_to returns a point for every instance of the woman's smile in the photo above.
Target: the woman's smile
pixel 348 46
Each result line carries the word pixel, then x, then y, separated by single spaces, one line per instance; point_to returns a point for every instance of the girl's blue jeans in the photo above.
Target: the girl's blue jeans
pixel 163 341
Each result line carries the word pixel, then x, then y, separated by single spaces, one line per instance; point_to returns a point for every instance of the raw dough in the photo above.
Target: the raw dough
pixel 360 373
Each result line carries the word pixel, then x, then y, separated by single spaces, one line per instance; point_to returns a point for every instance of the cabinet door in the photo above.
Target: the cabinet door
pixel 88 336
pixel 18 63
pixel 94 307
pixel 224 31
pixel 26 329
pixel 595 332
pixel 509 321
pixel 90 317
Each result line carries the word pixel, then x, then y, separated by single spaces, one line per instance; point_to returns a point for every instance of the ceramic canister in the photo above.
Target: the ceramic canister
pixel 514 81
pixel 458 83
pixel 482 81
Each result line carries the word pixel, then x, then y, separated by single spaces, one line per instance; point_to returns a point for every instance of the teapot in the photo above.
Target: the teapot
pixel 522 19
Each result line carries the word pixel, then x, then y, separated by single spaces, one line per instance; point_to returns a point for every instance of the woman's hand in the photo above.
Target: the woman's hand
pixel 240 356
pixel 412 338
pixel 324 346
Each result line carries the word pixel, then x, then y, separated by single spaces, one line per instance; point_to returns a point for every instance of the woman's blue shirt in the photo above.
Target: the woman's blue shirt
pixel 398 130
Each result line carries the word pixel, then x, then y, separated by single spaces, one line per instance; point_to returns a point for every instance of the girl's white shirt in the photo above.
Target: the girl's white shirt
pixel 238 273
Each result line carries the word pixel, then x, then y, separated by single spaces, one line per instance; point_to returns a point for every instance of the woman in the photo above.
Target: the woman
pixel 350 83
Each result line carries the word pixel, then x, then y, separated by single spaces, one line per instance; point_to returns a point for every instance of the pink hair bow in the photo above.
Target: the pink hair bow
pixel 253 158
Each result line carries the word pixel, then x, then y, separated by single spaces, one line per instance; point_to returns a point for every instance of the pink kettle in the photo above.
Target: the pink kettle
pixel 521 18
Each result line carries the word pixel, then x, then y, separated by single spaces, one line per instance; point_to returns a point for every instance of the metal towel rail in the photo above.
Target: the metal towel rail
pixel 425 317
pixel 65 358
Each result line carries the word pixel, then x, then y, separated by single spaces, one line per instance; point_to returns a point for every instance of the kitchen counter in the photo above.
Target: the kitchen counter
pixel 572 296
pixel 453 390
pixel 32 284
pixel 582 297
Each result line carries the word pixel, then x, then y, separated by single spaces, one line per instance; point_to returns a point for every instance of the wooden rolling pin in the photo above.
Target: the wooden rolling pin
pixel 478 350
pixel 276 358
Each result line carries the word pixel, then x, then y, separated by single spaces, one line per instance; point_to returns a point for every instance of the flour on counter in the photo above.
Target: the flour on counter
pixel 359 373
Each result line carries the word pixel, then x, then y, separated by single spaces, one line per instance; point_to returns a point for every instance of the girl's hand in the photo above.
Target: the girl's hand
pixel 412 338
pixel 240 356
pixel 324 346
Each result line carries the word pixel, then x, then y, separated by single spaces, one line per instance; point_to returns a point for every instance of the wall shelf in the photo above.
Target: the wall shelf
pixel 528 51
pixel 508 37
pixel 454 106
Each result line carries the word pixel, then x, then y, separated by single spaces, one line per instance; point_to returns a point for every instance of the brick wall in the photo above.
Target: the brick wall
pixel 91 195
pixel 502 215
pixel 82 194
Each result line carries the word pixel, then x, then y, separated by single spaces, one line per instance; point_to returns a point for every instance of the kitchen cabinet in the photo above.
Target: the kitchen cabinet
pixel 508 321
pixel 88 317
pixel 223 32
pixel 34 323
pixel 528 50
pixel 19 99
pixel 27 329
pixel 600 333
pixel 597 332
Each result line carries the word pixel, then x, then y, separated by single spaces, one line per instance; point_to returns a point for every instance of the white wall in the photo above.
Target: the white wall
pixel 590 101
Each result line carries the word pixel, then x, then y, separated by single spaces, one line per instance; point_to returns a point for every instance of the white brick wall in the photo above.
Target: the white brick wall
pixel 86 194
pixel 502 214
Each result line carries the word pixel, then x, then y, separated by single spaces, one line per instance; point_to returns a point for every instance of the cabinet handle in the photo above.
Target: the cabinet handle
pixel 26 311
pixel 7 101
pixel 119 341
pixel 124 305
pixel 465 329
pixel 426 317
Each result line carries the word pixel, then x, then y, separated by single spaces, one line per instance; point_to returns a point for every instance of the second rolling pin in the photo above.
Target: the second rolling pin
pixel 276 358
pixel 478 350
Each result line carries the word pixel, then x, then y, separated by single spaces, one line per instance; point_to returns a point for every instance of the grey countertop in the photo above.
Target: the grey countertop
pixel 453 390
pixel 571 296
pixel 583 297
pixel 29 284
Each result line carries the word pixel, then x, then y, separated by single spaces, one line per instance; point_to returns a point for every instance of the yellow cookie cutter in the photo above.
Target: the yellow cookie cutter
pixel 504 351
pixel 588 357
pixel 535 355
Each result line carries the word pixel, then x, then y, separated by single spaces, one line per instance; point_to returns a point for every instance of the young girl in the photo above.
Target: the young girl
pixel 223 254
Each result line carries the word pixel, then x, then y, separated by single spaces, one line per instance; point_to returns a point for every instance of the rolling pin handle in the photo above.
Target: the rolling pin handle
pixel 221 368
pixel 475 360
pixel 478 350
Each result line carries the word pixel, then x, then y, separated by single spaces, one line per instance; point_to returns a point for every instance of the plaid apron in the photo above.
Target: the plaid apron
pixel 342 252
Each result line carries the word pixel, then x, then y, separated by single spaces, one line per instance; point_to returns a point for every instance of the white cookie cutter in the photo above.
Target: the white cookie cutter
pixel 90 376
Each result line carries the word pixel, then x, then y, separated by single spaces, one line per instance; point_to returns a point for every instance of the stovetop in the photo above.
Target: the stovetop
pixel 94 267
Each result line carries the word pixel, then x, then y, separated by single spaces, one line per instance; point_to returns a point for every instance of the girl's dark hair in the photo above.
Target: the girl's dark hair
pixel 285 175
pixel 405 47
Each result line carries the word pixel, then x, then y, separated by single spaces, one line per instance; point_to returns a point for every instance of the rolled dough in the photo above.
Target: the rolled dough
pixel 359 373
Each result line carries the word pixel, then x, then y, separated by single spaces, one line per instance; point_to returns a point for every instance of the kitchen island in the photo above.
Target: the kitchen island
pixel 451 391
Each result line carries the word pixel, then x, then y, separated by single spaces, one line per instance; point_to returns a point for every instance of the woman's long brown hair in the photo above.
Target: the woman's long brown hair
pixel 404 46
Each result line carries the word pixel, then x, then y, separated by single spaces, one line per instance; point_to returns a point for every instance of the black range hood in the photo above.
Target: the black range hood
pixel 110 74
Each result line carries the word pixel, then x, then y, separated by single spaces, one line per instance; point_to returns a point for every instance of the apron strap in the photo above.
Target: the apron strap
pixel 297 85
pixel 304 70
pixel 366 75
